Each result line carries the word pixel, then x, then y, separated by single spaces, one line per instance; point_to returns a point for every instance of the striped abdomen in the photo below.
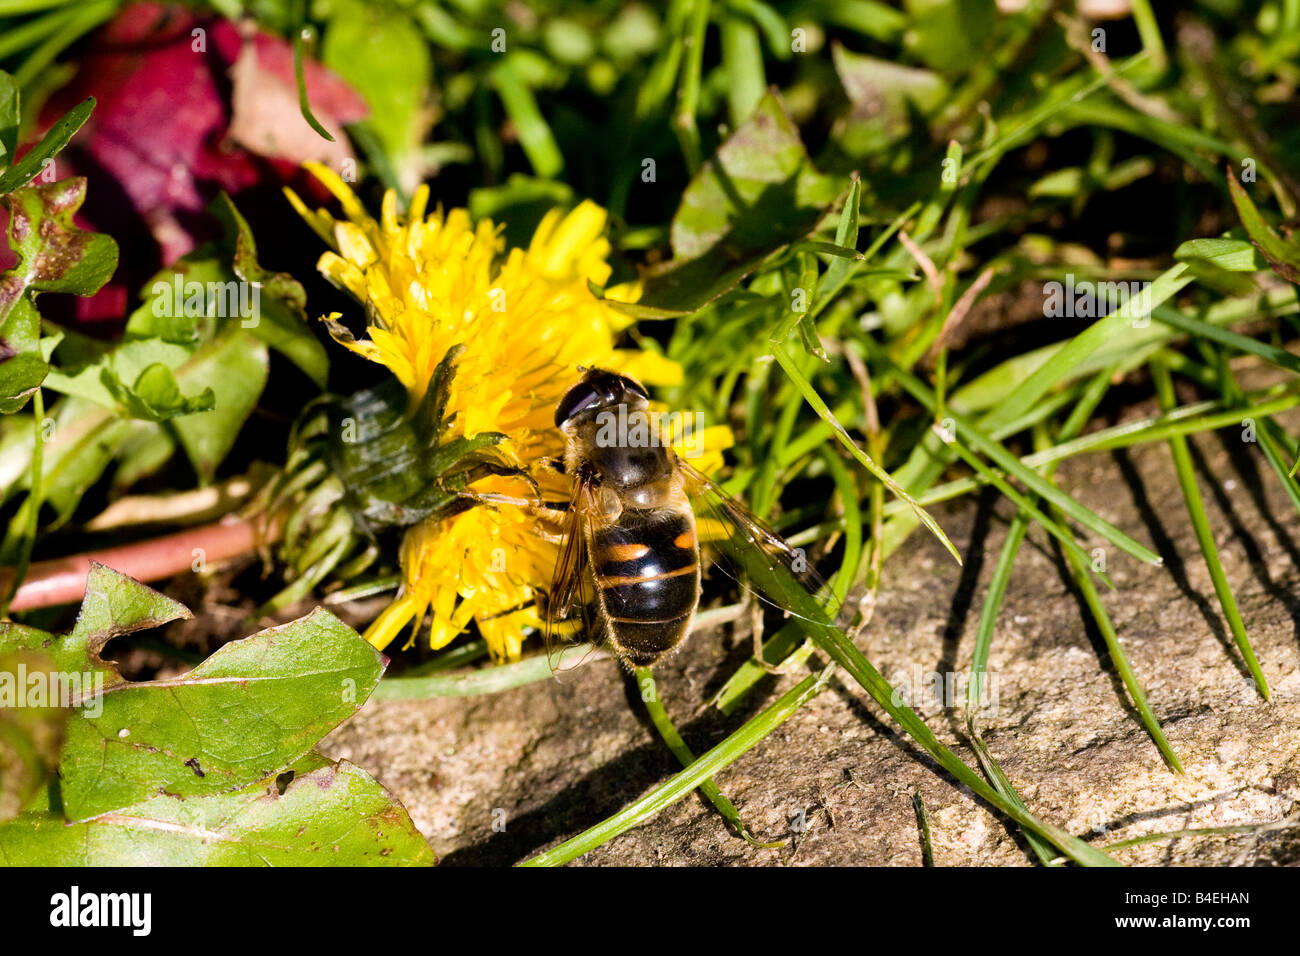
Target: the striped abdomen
pixel 647 571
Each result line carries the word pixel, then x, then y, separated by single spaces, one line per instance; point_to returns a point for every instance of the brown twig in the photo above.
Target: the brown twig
pixel 958 313
pixel 63 580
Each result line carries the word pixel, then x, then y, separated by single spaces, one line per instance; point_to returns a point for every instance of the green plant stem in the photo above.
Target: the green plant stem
pixel 33 503
pixel 487 680
pixel 684 118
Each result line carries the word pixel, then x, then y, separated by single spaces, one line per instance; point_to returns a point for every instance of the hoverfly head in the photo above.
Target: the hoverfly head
pixel 600 390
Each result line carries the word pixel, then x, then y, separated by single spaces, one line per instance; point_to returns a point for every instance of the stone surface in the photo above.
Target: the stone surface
pixel 551 759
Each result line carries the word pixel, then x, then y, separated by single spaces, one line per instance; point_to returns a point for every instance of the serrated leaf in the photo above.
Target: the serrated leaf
pixel 282 314
pixel 54 256
pixel 325 814
pixel 154 396
pixel 114 605
pixel 57 255
pixel 756 195
pixel 249 710
pixel 117 604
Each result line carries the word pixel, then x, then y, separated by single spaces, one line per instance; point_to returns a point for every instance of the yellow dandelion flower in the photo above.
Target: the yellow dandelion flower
pixel 526 320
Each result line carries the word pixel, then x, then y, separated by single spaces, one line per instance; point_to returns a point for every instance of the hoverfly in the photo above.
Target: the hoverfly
pixel 632 541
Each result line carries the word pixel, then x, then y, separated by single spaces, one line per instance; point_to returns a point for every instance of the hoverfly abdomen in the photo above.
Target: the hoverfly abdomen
pixel 647 576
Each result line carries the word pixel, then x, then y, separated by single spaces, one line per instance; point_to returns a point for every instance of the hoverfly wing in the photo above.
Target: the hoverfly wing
pixel 569 567
pixel 745 548
pixel 569 582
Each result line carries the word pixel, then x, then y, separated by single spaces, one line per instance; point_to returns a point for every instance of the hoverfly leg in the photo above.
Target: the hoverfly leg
pixel 792 661
pixel 756 633
pixel 542 510
pixel 491 497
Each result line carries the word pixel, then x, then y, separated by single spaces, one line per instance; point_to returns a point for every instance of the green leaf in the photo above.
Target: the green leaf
pixel 22 366
pixel 53 142
pixel 233 367
pixel 142 378
pixel 363 42
pixel 1282 255
pixel 156 397
pixel 281 317
pixel 215 766
pixel 114 605
pixel 521 107
pixel 54 256
pixel 100 379
pixel 1231 255
pixel 950 35
pixel 249 710
pixel 31 730
pixel 757 194
pixel 317 813
pixel 883 97
pixel 10 117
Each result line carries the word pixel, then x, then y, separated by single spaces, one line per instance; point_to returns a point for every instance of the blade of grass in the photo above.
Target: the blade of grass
pixel 1055 368
pixel 923 826
pixel 1055 527
pixel 668 793
pixel 979 667
pixel 819 406
pixel 84 18
pixel 808 614
pixel 488 680
pixel 663 723
pixel 1079 572
pixel 1204 533
pixel 1137 432
pixel 968 434
pixel 534 134
pixel 1244 343
pixel 303 37
pixel 1254 828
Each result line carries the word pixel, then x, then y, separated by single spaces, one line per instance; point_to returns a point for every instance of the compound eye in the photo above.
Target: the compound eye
pixel 577 399
pixel 632 385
